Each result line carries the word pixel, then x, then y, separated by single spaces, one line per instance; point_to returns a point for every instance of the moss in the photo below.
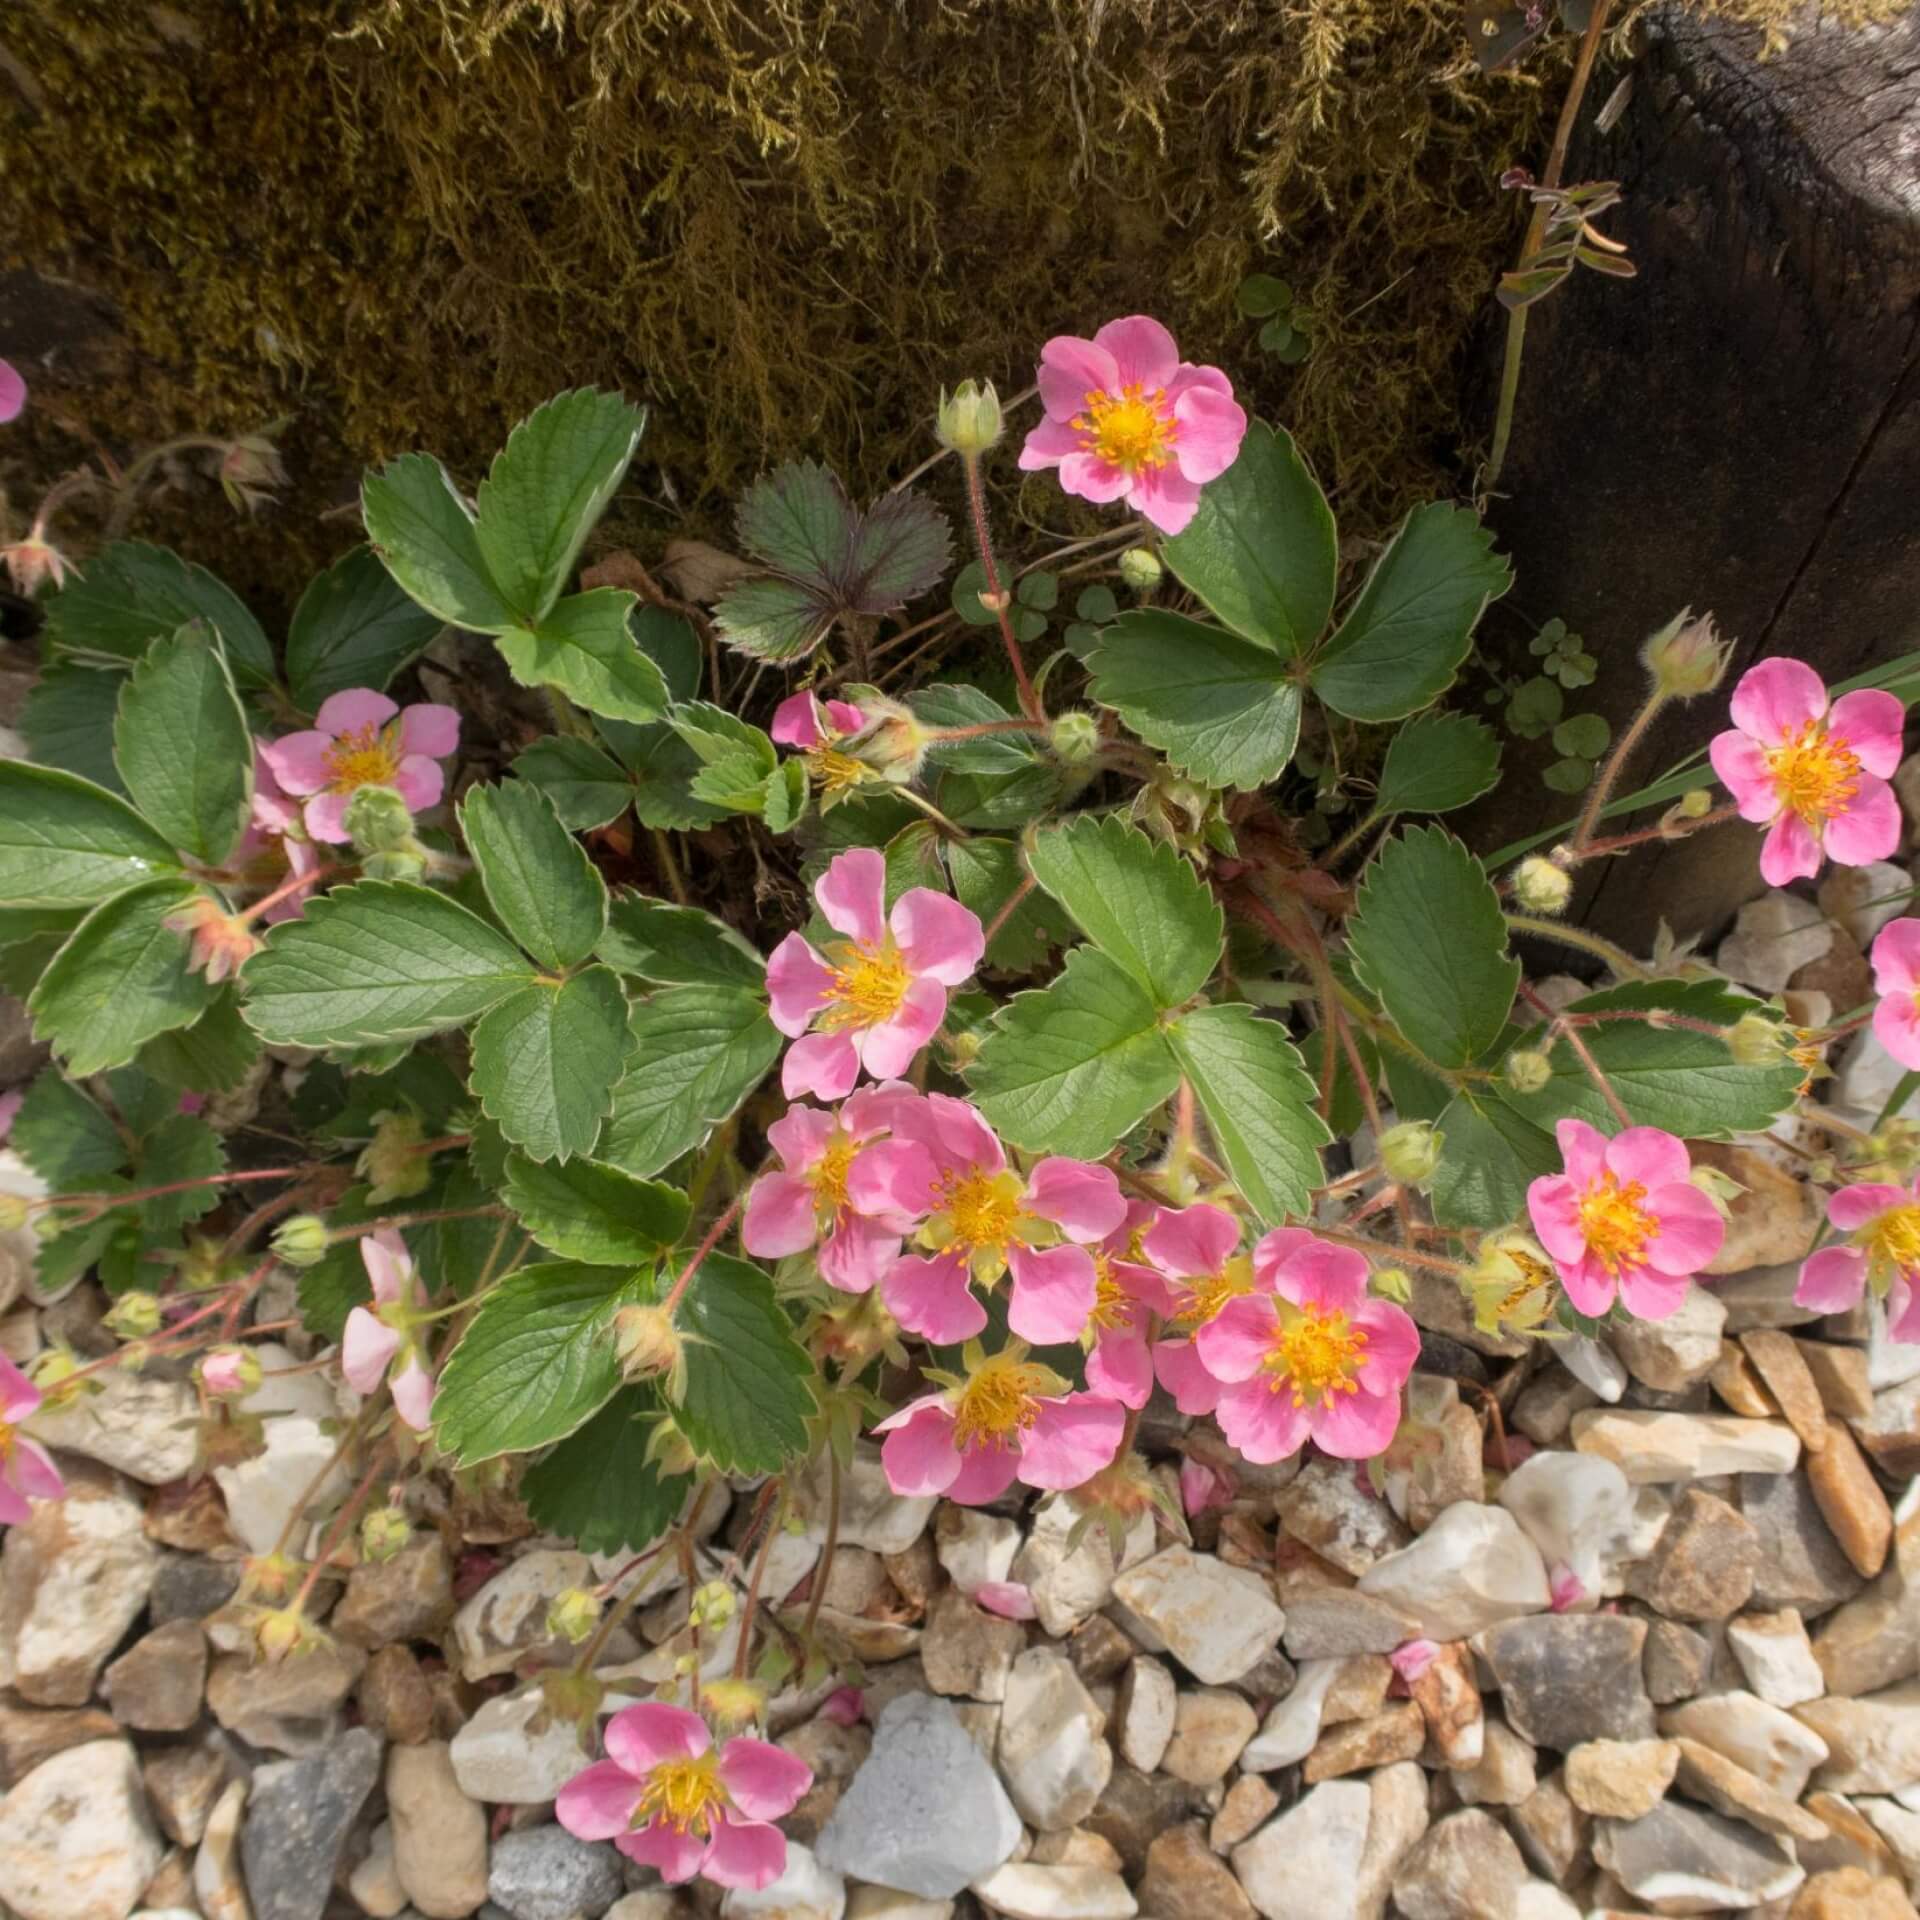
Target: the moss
pixel 782 222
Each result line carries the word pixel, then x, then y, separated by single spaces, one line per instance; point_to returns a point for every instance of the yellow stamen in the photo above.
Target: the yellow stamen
pixel 686 1794
pixel 1894 1238
pixel 1315 1354
pixel 981 1210
pixel 1814 774
pixel 1207 1293
pixel 998 1403
pixel 828 1177
pixel 366 757
pixel 1616 1226
pixel 869 984
pixel 835 772
pixel 1113 1305
pixel 1130 430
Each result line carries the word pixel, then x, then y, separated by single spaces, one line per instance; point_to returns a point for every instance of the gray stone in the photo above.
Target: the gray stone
pixel 189 1586
pixel 1703 1565
pixel 157 1684
pixel 544 1873
pixel 298 1817
pixel 1801 1564
pixel 1571 1677
pixel 1327 1509
pixel 1675 1662
pixel 1682 1859
pixel 409 1597
pixel 75 1839
pixel 925 1813
pixel 1464 1867
pixel 1135 1807
pixel 1328 1623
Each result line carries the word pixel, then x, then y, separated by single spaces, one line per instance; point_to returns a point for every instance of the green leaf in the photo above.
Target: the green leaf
pixel 1489 1156
pixel 120 979
pixel 735 756
pixel 1436 762
pixel 183 748
pixel 132 594
pixel 1261 294
pixel 548 894
pixel 1070 1067
pixel 426 539
pixel 663 769
pixel 1137 900
pixel 1406 634
pixel 968 585
pixel 584 1210
pixel 798 519
pixel 773 619
pixel 588 788
pixel 1583 736
pixel 986 873
pixel 1536 705
pixel 783 796
pixel 585 647
pixel 65 1137
pixel 354 627
pixel 1429 940
pixel 182 1147
pixel 1218 707
pixel 1258 1099
pixel 694 1054
pixel 1260 550
pixel 536 1363
pixel 748 1395
pixel 65 842
pixel 677 946
pixel 1568 776
pixel 376 962
pixel 68 721
pixel 214 1055
pixel 669 641
pixel 598 1489
pixel 901 549
pixel 545 1062
pixel 547 488
pixel 964 706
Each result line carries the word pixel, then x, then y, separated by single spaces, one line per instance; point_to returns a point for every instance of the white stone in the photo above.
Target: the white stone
pixel 76 1842
pixel 1864 1078
pixel 1678 1351
pixel 1070 1587
pixel 1873 1741
pixel 515 1752
pixel 1890 1362
pixel 806 1891
pixel 1578 1510
pixel 1657 1449
pixel 1293 1725
pixel 137 1423
pixel 506 1620
pixel 1773 938
pixel 1471 1569
pixel 1595 1366
pixel 1053 1753
pixel 1148 1701
pixel 1396 1818
pixel 1864 899
pixel 264 1494
pixel 375 1882
pixel 1776 1657
pixel 1768 1743
pixel 1023 1891
pixel 976 1548
pixel 219 1884
pixel 1217 1621
pixel 872 1515
pixel 1303 1865
pixel 1542 1900
pixel 1899 1827
pixel 875 1903
pixel 20 1246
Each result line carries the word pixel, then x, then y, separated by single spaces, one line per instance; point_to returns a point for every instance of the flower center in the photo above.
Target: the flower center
pixel 981 1209
pixel 998 1403
pixel 366 757
pixel 829 1176
pixel 869 984
pixel 684 1793
pixel 1113 1305
pixel 1534 1277
pixel 1207 1293
pixel 836 772
pixel 1814 774
pixel 1895 1238
pixel 1130 429
pixel 1315 1354
pixel 1616 1226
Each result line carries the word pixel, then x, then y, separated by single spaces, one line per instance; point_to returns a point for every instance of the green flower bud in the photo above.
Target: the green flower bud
pixel 1410 1152
pixel 969 419
pixel 1140 568
pixel 713 1605
pixel 229 1373
pixel 389 1162
pixel 1695 804
pixel 573 1615
pixel 1756 1041
pixel 1074 738
pixel 408 864
pixel 301 1241
pixel 1542 887
pixel 134 1316
pixel 1686 657
pixel 1527 1070
pixel 378 820
pixel 383 1533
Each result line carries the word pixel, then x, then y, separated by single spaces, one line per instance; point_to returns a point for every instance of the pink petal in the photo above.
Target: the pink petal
pixel 1853 1207
pixel 918 1452
pixel 1144 352
pixel 1203 1487
pixel 674 1855
pixel 746 1853
pixel 1189 376
pixel 1273 1250
pixel 10 1104
pixel 641 1738
pixel 1178 1367
pixel 1166 497
pixel 1648 1294
pixel 1896 957
pixel 936 935
pixel 933 1299
pixel 1121 1368
pixel 366 1347
pixel 1553 1205
pixel 779 1218
pixel 800 1137
pixel 33 1471
pixel 852 895
pixel 430 729
pixel 1048 444
pixel 1148 1288
pixel 1054 1289
pixel 599 1803
pixel 1070 369
pixel 985 1474
pixel 412 1389
pixel 13 392
pixel 893 1180
pixel 1082 1200
pixel 1789 852
pixel 1235 1343
pixel 389 1265
pixel 1777 698
pixel 876 1109
pixel 1071 1440
pixel 1265 1426
pixel 19 1397
pixel 1648 1155
pixel 1333 1279
pixel 325 818
pixel 765 1782
pixel 843 717
pixel 357 707
pixel 1189 1241
pixel 959 1138
pixel 1868 829
pixel 1691 1230
pixel 796 721
pixel 1212 426
pixel 1411 1658
pixel 1393 1345
pixel 1896 1025
pixel 858 1254
pixel 798 983
pixel 299 761
pixel 1092 478
pixel 1832 1280
pixel 1903 1313
pixel 1589 1285
pixel 1008 1598
pixel 824 1065
pixel 1873 725
pixel 1355 1426
pixel 1741 764
pixel 888 1048
pixel 419 782
pixel 1583 1151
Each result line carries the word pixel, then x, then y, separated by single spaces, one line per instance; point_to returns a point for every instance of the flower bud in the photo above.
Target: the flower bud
pixel 378 821
pixel 1140 568
pixel 269 1577
pixel 893 743
pixel 53 1374
pixel 1686 657
pixel 301 1241
pixel 1512 1284
pixel 1528 1070
pixel 733 1704
pixel 1393 1283
pixel 134 1316
pixel 219 944
pixel 671 1451
pixel 1540 886
pixel 383 1533
pixel 391 1162
pixel 1410 1152
pixel 969 418
pixel 573 1696
pixel 15 1211
pixel 229 1373
pixel 282 1631
pixel 32 562
pixel 1074 738
pixel 1756 1041
pixel 249 470
pixel 573 1615
pixel 650 1347
pixel 1695 804
pixel 713 1605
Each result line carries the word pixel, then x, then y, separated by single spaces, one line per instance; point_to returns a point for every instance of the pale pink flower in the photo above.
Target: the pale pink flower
pixel 360 738
pixel 219 943
pixel 879 995
pixel 1623 1219
pixel 13 392
pixel 667 1799
pixel 1896 978
pixel 1316 1359
pixel 1815 776
pixel 1008 1598
pixel 26 1472
pixel 1007 1419
pixel 807 1202
pixel 980 1217
pixel 1411 1658
pixel 33 562
pixel 1128 419
pixel 1197 1249
pixel 1203 1487
pixel 229 1372
pixel 382 1342
pixel 275 848
pixel 804 720
pixel 10 1104
pixel 1129 1296
pixel 1882 1225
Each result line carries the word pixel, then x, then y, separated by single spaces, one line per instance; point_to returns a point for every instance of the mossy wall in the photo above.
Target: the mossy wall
pixel 780 222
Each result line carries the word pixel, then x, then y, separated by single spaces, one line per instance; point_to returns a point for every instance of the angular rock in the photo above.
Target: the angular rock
pixel 1850 1501
pixel 1569 1678
pixel 1454 1470
pixel 925 1813
pixel 1099 1650
pixel 1873 1742
pixel 1250 1802
pixel 188 1587
pixel 1474 1566
pixel 1360 1684
pixel 395 1696
pixel 1053 1753
pixel 292 1707
pixel 1506 1773
pixel 506 1620
pixel 1622 1779
pixel 1070 1585
pixel 1138 1805
pixel 1186 1881
pixel 1703 1566
pixel 1464 1867
pixel 1396 1818
pixel 1595 1365
pixel 968 1651
pixel 76 1842
pixel 1144 1710
pixel 976 1548
pixel 872 1515
pixel 1736 1380
pixel 1851 1893
pixel 1553 1833
pixel 375 1883
pixel 544 1873
pixel 1023 1891
pixel 136 1423
pixel 805 1890
pixel 1675 1662
pixel 1326 1508
pixel 1801 1564
pixel 1328 1623
pixel 1578 1510
pixel 1675 1353
pixel 1776 1657
pixel 1210 1728
pixel 1729 1788
pixel 1772 939
pixel 219 1883
pixel 30 1735
pixel 1546 1405
pixel 1395 1733
pixel 1839 1375
pixel 298 1815
pixel 1874 1640
pixel 1682 1860
pixel 1303 1865
pixel 1769 1743
pixel 1448 1697
pixel 1293 1724
pixel 183 1783
pixel 1771 1223
pixel 263 1494
pixel 157 1684
pixel 1658 1449
pixel 1861 900
pixel 1778 1360
pixel 1216 1620
pixel 409 1597
pixel 1763 1297
pixel 439 1833
pixel 1890 1433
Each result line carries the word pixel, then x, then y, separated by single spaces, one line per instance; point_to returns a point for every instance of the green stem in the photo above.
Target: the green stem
pixel 1000 598
pixel 1604 781
pixel 1618 958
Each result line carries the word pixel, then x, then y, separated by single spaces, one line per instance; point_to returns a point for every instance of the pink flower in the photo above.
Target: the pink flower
pixel 1896 978
pixel 1198 1250
pixel 665 1798
pixel 1623 1218
pixel 1128 419
pixel 1008 1598
pixel 218 942
pixel 1008 1419
pixel 360 739
pixel 807 1202
pixel 10 1104
pixel 1316 1359
pixel 275 847
pixel 13 392
pixel 1411 1658
pixel 805 721
pixel 1202 1487
pixel 980 1217
pixel 26 1472
pixel 381 1340
pixel 1882 1223
pixel 880 994
pixel 1129 1295
pixel 1815 777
